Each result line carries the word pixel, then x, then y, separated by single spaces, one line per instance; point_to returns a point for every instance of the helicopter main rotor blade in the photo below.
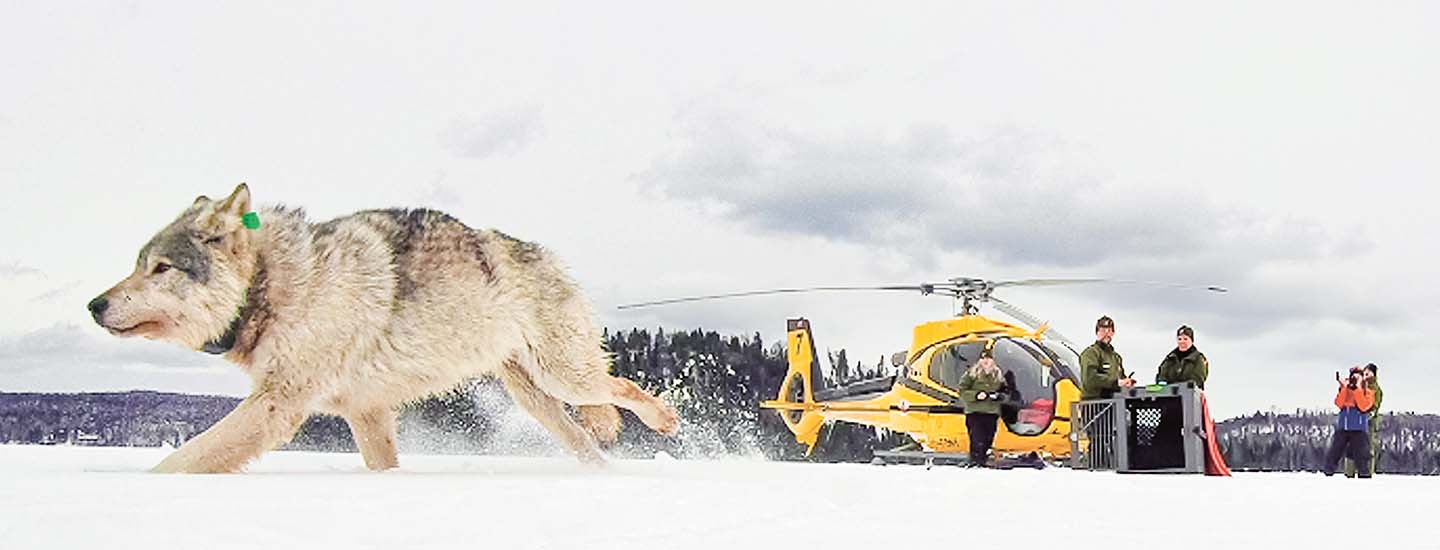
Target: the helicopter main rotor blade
pixel 924 289
pixel 1059 282
pixel 1025 317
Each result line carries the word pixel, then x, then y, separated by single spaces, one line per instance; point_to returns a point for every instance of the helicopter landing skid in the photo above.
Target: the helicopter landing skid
pixel 927 458
pixel 930 459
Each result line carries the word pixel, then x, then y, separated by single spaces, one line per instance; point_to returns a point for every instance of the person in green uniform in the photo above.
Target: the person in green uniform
pixel 981 391
pixel 1185 363
pixel 1102 370
pixel 1373 381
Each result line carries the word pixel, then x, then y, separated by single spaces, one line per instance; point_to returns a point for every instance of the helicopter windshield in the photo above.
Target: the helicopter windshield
pixel 951 362
pixel 1067 360
pixel 1030 378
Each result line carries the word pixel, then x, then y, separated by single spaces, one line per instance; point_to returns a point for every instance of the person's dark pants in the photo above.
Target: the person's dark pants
pixel 1354 445
pixel 982 435
pixel 1374 461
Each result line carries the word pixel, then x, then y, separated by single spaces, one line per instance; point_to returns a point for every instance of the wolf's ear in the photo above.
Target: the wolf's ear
pixel 238 203
pixel 202 199
pixel 224 216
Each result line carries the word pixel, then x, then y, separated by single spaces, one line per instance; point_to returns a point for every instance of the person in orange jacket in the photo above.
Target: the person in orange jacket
pixel 1352 438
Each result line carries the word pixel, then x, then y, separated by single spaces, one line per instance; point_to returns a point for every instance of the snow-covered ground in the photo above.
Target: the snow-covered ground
pixel 75 497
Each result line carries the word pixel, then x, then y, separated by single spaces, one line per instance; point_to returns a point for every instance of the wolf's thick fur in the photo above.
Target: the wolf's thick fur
pixel 358 315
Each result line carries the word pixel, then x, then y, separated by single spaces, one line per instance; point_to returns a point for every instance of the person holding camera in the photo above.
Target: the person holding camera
pixel 982 392
pixel 1102 370
pixel 1185 363
pixel 1374 384
pixel 1355 399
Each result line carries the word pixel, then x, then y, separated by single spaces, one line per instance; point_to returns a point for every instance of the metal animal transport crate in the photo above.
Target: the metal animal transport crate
pixel 1150 429
pixel 1095 443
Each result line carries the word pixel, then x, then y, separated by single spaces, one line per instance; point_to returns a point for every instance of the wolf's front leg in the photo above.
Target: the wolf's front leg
pixel 265 419
pixel 374 432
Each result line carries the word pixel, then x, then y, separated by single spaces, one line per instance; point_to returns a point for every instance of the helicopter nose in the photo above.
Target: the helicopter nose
pixel 97 307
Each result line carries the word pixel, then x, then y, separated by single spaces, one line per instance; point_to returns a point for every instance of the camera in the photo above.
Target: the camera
pixel 990 396
pixel 1356 375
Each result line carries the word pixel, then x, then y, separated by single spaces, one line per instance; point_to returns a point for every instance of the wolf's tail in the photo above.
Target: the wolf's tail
pixel 602 421
pixel 803 381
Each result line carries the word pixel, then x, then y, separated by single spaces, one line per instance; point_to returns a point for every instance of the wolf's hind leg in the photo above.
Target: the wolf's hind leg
pixel 374 432
pixel 579 375
pixel 602 421
pixel 653 411
pixel 549 411
pixel 596 387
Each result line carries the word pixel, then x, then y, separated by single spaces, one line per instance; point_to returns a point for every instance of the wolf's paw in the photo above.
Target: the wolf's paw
pixel 669 422
pixel 592 457
pixel 178 463
pixel 382 465
pixel 172 464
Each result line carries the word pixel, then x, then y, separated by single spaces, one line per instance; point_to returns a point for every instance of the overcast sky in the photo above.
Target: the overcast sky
pixel 1285 151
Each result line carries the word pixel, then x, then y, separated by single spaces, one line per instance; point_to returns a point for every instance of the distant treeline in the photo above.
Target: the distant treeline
pixel 716 383
pixel 1409 442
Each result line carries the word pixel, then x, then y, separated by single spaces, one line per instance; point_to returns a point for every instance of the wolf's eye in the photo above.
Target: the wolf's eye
pixel 215 240
pixel 160 268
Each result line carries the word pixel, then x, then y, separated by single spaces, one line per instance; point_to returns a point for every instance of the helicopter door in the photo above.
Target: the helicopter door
pixel 1031 383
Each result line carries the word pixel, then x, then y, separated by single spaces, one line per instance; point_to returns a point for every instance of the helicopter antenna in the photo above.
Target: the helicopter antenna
pixel 924 289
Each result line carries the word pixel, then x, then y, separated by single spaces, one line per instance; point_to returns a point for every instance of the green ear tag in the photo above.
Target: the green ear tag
pixel 251 220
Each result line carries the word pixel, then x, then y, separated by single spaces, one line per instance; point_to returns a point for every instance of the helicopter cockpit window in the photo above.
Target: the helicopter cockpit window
pixel 951 362
pixel 1030 379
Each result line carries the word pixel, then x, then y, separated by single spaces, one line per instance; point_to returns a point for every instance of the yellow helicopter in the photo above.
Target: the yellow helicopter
pixel 921 400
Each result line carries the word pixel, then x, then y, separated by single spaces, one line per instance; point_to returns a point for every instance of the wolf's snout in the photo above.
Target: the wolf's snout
pixel 97 307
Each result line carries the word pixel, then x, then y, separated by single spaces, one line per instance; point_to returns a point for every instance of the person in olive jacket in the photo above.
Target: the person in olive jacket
pixel 1102 370
pixel 981 391
pixel 1185 363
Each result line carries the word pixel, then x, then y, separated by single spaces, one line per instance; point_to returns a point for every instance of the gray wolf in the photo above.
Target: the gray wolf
pixel 358 315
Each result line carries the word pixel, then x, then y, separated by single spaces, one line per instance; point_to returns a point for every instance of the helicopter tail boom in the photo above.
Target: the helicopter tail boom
pixel 803 380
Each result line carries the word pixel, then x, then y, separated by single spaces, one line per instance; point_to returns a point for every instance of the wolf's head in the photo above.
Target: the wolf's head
pixel 190 280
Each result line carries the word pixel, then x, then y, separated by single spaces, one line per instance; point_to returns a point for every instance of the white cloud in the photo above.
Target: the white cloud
pixel 13 270
pixel 477 137
pixel 55 293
